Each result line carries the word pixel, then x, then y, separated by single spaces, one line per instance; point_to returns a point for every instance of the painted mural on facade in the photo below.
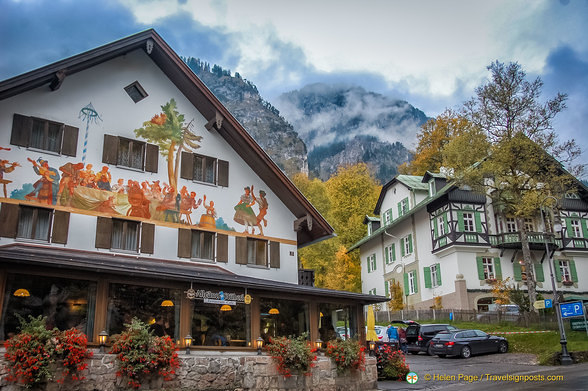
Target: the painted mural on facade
pixel 87 187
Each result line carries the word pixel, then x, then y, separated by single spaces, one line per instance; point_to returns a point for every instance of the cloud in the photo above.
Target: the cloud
pixel 322 114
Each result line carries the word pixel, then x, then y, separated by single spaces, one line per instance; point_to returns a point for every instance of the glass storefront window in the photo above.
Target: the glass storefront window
pixel 65 303
pixel 159 307
pixel 336 321
pixel 212 326
pixel 283 318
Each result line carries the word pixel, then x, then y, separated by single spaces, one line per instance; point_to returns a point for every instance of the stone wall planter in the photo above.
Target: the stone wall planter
pixel 218 371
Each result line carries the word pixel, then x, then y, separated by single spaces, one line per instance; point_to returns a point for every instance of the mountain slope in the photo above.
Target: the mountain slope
pixel 347 124
pixel 276 136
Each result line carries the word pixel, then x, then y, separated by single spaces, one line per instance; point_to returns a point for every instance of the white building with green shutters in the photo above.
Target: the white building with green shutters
pixel 437 240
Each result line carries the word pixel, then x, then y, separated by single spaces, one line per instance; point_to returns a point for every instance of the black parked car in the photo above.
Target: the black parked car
pixel 467 342
pixel 418 336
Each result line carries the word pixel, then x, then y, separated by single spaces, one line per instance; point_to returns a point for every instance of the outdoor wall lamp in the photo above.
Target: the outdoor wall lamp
pixel 259 344
pixel 102 337
pixel 188 342
pixel 372 347
pixel 318 344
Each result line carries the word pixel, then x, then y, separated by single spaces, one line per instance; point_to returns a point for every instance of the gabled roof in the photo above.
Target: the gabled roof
pixel 428 175
pixel 423 204
pixel 413 182
pixel 202 98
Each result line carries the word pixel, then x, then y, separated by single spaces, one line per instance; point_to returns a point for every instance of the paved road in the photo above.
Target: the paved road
pixel 511 371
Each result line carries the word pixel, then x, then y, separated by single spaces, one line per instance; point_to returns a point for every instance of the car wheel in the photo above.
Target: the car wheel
pixel 442 355
pixel 430 350
pixel 503 347
pixel 466 352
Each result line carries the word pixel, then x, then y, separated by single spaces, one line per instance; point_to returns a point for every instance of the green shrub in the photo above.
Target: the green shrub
pixel 292 355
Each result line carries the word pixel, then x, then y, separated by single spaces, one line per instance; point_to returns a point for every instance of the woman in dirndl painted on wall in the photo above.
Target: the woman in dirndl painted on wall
pixel 244 214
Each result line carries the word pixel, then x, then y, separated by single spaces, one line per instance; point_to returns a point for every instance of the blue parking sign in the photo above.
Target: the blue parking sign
pixel 570 310
pixel 548 303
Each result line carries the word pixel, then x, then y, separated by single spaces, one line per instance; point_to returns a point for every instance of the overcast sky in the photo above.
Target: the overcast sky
pixel 430 53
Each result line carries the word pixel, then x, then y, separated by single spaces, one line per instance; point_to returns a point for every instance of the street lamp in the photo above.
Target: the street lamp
pixel 102 337
pixel 188 342
pixel 259 343
pixel 565 356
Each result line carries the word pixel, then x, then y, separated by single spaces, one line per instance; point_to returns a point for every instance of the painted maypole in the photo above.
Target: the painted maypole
pixel 88 114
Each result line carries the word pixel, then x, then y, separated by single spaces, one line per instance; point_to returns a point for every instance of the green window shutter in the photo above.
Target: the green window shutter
pixel 386 288
pixel 584 224
pixel 497 268
pixel 539 276
pixel 402 247
pixel 573 271
pixel 480 268
pixel 374 262
pixel 387 255
pixel 557 270
pixel 569 228
pixel 393 252
pixel 416 282
pixel 406 204
pixel 478 218
pixel 516 268
pixel 399 209
pixel 438 274
pixel 410 243
pixel 369 267
pixel 406 292
pixel 435 232
pixel 460 221
pixel 427 274
pixel 445 224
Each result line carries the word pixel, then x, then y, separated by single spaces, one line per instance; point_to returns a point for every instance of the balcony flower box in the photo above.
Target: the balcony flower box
pixel 491 280
pixel 568 283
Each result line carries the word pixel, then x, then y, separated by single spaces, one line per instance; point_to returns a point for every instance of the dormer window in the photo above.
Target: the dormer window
pixel 432 188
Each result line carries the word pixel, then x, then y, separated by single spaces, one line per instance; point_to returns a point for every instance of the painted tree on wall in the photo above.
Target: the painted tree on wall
pixel 172 135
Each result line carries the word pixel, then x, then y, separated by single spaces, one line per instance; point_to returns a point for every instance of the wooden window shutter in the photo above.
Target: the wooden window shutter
pixel 393 252
pixel 387 254
pixel 151 157
pixel 478 221
pixel 416 282
pixel 103 232
pixel 516 269
pixel 460 224
pixel 8 220
pixel 147 238
pixel 222 248
pixel 240 250
pixel 223 173
pixel 21 130
pixel 187 166
pixel 438 274
pixel 435 233
pixel 402 247
pixel 573 272
pixel 556 266
pixel 497 269
pixel 110 151
pixel 539 276
pixel 410 243
pixel 275 254
pixel 427 273
pixel 480 268
pixel 184 243
pixel 406 287
pixel 70 141
pixel 60 227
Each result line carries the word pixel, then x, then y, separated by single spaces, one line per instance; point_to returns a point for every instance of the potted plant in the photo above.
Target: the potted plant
pixel 294 355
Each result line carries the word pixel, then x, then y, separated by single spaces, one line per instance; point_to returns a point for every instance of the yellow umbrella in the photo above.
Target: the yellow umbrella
pixel 371 325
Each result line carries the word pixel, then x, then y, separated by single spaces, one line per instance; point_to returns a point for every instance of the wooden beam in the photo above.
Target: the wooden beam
pixel 58 79
pixel 298 223
pixel 215 122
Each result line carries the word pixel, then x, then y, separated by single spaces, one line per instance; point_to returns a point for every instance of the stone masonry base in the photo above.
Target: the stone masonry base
pixel 214 371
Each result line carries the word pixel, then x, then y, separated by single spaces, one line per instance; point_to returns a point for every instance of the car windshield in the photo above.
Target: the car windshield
pixel 449 327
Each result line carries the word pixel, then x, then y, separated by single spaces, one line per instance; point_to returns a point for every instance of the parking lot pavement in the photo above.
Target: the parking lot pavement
pixel 440 373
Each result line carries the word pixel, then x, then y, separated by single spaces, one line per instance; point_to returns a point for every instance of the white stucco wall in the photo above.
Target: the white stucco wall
pixel 103 86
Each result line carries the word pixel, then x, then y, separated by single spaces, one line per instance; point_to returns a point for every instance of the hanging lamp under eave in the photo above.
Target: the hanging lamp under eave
pixel 21 293
pixel 167 303
pixel 226 307
pixel 274 311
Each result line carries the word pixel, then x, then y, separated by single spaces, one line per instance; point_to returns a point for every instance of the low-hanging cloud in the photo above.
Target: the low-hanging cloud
pixel 322 114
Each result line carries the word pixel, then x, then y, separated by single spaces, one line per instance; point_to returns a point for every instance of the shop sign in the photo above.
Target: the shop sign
pixel 220 297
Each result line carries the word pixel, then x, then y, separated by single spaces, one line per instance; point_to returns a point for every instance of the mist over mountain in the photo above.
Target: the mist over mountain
pixel 319 127
pixel 347 124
